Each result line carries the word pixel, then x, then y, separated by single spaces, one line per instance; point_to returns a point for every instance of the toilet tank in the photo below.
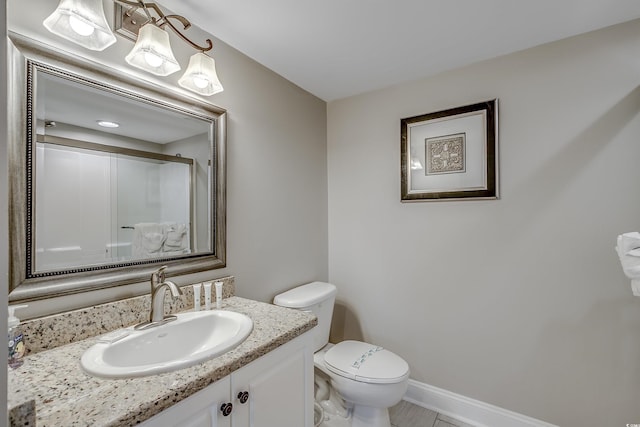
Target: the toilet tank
pixel 315 297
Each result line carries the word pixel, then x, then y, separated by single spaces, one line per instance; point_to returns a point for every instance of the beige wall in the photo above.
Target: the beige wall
pixel 276 154
pixel 519 302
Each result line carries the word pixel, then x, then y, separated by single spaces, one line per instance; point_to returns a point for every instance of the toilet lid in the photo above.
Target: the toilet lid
pixel 365 362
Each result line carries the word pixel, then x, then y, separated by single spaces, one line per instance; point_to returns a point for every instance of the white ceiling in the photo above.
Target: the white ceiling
pixel 339 48
pixel 71 103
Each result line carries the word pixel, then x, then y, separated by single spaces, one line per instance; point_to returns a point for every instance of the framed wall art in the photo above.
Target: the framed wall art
pixel 451 154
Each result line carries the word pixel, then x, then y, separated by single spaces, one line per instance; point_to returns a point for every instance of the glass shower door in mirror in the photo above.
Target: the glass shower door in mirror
pixel 96 207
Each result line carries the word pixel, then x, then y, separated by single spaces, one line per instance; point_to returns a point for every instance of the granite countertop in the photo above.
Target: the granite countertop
pixel 65 396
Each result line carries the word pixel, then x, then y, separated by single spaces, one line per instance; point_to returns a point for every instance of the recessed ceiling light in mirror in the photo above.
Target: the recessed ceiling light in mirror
pixel 108 124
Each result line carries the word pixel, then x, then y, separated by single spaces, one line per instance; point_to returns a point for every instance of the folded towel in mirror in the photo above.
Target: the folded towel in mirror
pixel 152 239
pixel 148 238
pixel 177 238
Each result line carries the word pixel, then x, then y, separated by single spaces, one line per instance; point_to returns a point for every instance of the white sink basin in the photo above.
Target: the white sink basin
pixel 192 338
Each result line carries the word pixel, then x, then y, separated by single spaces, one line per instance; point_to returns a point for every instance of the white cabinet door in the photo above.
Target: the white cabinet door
pixel 279 387
pixel 201 409
pixel 275 390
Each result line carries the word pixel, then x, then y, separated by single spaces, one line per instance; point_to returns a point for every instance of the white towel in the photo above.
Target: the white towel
pixel 177 237
pixel 148 238
pixel 630 266
pixel 628 242
pixel 154 240
pixel 634 252
pixel 628 249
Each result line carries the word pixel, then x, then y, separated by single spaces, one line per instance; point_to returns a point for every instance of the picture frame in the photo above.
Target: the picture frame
pixel 450 154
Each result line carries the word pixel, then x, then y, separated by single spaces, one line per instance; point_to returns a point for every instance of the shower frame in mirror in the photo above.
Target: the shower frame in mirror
pixel 27 56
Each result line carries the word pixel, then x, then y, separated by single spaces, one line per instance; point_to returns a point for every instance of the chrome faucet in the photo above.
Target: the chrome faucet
pixel 158 287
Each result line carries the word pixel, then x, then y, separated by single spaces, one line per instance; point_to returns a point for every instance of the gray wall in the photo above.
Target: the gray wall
pixel 277 179
pixel 4 226
pixel 519 302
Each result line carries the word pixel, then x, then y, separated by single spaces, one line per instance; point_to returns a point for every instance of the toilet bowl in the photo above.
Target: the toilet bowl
pixel 369 378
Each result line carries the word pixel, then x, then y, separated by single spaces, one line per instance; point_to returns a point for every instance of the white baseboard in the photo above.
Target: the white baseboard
pixel 465 409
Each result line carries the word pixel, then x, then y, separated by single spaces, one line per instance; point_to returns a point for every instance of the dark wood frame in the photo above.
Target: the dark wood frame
pixel 491 139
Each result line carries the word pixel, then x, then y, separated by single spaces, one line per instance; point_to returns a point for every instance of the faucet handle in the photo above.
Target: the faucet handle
pixel 158 277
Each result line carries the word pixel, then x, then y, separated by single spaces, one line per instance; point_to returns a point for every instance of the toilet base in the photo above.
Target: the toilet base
pixel 335 421
pixel 366 416
pixel 362 416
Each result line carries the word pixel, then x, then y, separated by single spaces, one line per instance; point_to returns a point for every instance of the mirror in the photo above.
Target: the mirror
pixel 110 177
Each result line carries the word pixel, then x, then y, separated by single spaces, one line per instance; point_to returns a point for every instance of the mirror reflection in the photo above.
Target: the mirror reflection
pixel 115 179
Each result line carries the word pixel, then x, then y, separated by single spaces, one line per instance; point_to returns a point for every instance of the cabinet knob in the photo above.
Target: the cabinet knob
pixel 243 396
pixel 226 409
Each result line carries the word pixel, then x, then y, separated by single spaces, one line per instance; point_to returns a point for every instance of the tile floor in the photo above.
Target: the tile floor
pixel 406 414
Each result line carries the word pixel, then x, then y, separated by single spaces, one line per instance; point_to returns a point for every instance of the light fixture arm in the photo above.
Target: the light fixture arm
pixel 186 24
pixel 163 20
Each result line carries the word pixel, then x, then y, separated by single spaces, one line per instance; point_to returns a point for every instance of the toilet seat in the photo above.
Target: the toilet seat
pixel 366 363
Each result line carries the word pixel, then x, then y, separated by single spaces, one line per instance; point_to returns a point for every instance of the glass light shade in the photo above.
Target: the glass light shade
pixel 201 76
pixel 82 22
pixel 152 52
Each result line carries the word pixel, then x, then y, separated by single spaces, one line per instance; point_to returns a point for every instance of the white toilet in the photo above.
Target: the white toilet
pixel 369 378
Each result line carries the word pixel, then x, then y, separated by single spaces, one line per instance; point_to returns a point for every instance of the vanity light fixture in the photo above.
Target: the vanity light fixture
pixel 83 22
pixel 201 76
pixel 152 52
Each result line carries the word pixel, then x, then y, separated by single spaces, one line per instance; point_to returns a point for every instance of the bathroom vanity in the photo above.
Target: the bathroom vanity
pixel 265 381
